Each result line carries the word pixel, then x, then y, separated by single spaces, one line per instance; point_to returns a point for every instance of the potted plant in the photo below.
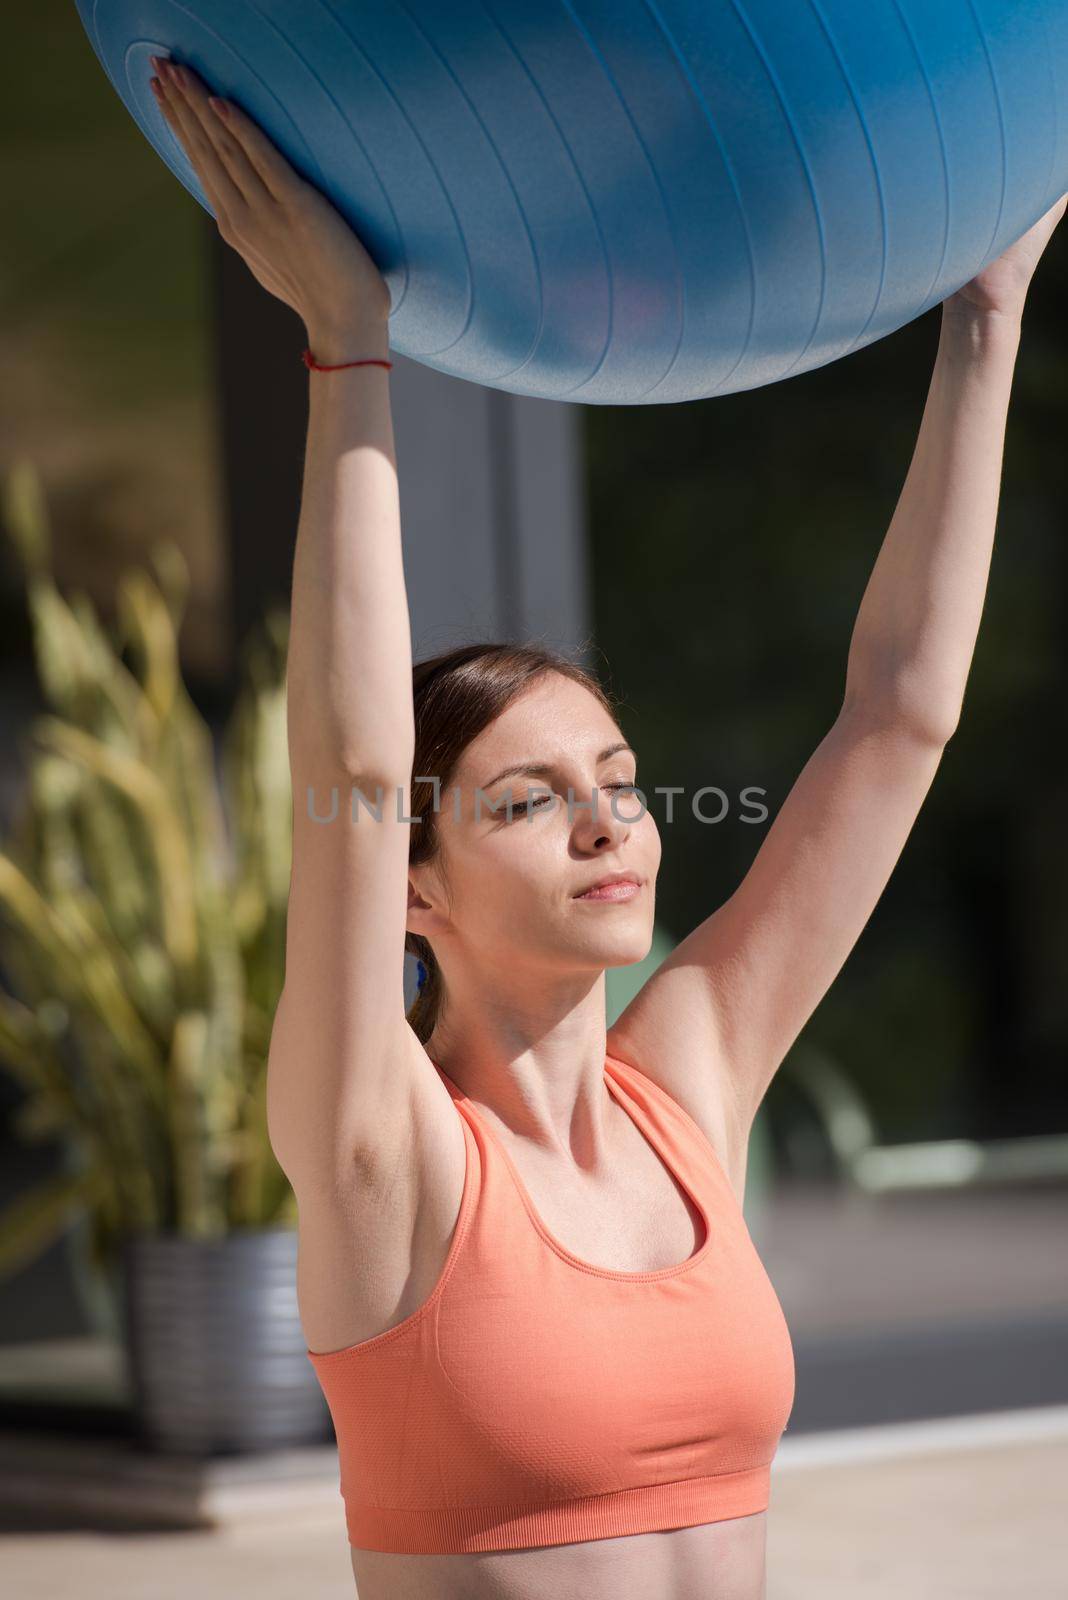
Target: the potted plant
pixel 142 937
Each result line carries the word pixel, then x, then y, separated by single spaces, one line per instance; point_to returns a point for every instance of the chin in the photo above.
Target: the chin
pixel 626 952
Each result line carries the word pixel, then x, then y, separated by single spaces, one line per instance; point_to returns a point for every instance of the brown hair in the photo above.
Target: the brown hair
pixel 455 696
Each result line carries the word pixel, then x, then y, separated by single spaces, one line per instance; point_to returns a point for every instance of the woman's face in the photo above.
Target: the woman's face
pixel 510 895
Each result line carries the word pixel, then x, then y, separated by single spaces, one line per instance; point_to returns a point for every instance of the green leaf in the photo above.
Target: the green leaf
pixel 33 1222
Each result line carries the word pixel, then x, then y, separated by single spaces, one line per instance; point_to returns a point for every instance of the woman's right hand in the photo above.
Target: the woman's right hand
pixel 293 240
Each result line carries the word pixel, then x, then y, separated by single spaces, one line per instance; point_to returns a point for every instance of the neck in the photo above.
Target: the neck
pixel 545 1085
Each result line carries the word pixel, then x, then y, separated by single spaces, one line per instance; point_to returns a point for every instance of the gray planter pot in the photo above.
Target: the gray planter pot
pixel 215 1348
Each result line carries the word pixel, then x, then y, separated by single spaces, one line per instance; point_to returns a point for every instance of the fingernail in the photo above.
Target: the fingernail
pixel 219 106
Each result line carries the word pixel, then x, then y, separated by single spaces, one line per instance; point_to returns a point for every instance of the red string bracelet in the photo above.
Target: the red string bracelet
pixel 315 366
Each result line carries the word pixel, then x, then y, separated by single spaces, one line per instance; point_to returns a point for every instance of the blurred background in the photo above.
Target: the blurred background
pixel 909 1166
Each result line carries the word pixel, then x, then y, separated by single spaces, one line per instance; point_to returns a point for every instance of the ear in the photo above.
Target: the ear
pixel 425 915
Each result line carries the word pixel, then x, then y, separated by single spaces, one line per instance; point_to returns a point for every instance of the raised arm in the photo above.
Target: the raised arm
pixel 748 977
pixel 340 1038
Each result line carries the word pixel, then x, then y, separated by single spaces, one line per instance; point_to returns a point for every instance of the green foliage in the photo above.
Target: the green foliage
pixel 142 916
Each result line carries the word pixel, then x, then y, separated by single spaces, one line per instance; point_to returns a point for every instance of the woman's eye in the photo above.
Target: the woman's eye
pixel 519 805
pixel 540 801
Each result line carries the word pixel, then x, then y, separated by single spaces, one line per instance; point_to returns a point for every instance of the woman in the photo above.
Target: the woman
pixel 554 1361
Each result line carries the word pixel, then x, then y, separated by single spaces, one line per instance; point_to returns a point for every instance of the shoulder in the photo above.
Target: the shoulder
pixel 668 1033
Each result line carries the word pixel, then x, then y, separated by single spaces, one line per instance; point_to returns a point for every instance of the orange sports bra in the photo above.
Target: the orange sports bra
pixel 536 1399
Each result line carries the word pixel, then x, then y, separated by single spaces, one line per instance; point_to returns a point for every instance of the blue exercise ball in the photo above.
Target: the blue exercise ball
pixel 627 202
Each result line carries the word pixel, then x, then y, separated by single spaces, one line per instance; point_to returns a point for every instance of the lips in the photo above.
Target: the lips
pixel 622 886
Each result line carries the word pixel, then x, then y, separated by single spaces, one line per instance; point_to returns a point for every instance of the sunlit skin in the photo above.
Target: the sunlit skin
pixel 523 960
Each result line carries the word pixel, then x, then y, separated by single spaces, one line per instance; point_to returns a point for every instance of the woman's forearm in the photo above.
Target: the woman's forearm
pixel 349 690
pixel 349 673
pixel 916 628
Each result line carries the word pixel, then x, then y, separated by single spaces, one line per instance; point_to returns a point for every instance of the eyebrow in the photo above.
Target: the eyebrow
pixel 544 771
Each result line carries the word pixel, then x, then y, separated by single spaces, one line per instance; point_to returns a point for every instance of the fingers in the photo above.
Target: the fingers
pixel 264 157
pixel 257 167
pixel 218 129
pixel 225 197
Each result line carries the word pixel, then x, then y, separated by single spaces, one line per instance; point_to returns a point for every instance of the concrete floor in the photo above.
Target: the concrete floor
pixel 953 1520
pixel 931 1511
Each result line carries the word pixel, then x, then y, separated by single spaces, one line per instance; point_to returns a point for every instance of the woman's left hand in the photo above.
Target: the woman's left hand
pixel 1001 288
